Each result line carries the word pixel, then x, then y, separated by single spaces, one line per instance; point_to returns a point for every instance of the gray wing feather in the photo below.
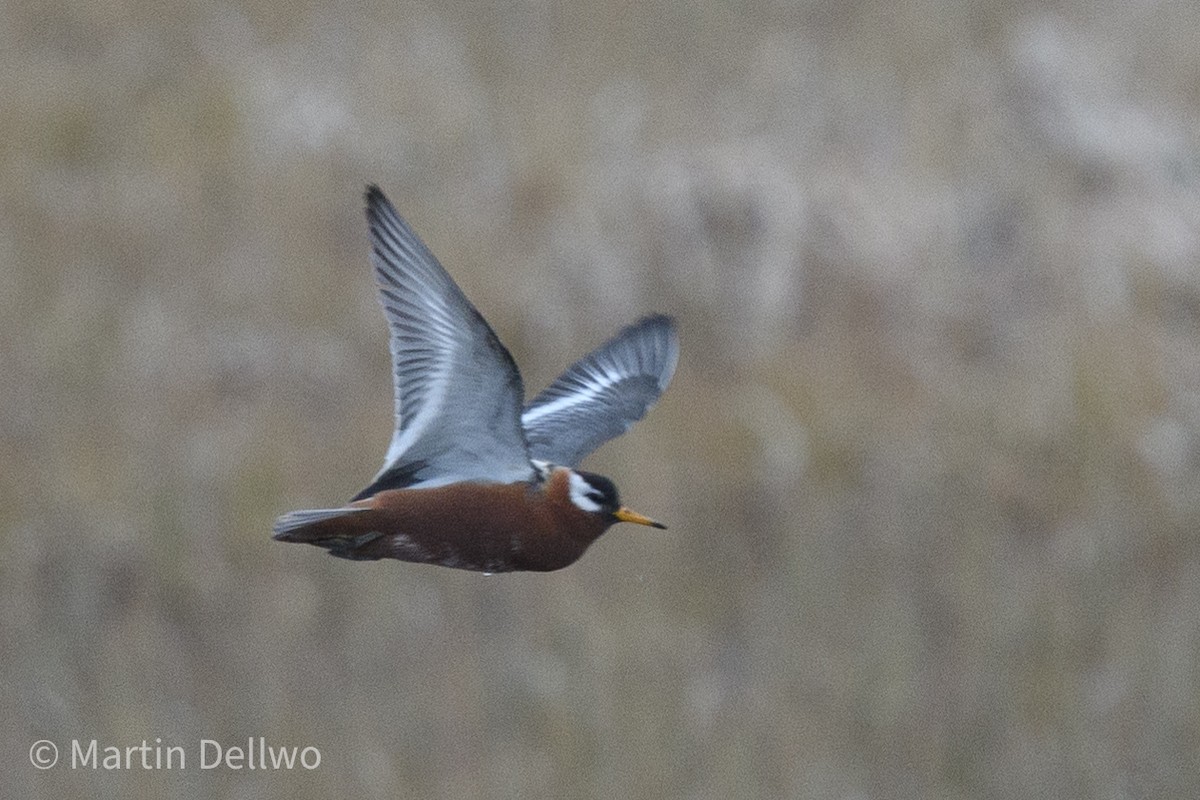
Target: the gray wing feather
pixel 603 393
pixel 458 393
pixel 294 520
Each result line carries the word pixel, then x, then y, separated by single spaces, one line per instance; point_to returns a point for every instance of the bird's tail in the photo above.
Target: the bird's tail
pixel 320 527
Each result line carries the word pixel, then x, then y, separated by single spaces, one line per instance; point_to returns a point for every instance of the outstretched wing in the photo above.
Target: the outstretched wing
pixel 603 393
pixel 458 392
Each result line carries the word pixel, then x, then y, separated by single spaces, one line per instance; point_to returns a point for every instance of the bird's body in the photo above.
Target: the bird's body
pixel 529 526
pixel 475 479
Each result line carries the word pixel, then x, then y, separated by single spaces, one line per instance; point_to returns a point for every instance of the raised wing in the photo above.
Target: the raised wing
pixel 603 393
pixel 458 392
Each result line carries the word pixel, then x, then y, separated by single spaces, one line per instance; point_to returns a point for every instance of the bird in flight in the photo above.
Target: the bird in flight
pixel 474 477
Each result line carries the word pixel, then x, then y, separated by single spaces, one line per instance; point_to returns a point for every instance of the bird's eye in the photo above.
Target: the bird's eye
pixel 592 493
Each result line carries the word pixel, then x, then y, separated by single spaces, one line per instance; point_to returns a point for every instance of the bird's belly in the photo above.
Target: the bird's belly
pixel 512 531
pixel 486 551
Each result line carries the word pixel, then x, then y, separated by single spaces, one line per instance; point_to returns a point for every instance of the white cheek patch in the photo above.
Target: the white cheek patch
pixel 579 490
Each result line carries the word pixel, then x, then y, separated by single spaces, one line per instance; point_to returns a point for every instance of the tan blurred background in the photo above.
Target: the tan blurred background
pixel 930 460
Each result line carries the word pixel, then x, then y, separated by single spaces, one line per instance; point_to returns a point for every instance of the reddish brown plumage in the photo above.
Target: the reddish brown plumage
pixel 487 527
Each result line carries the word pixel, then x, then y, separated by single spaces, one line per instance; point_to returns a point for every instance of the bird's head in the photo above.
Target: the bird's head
pixel 596 494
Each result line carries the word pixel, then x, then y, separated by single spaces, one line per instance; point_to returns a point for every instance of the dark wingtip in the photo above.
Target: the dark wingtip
pixel 658 525
pixel 655 320
pixel 375 198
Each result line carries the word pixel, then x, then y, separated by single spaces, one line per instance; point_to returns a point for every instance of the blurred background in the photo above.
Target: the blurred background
pixel 930 459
